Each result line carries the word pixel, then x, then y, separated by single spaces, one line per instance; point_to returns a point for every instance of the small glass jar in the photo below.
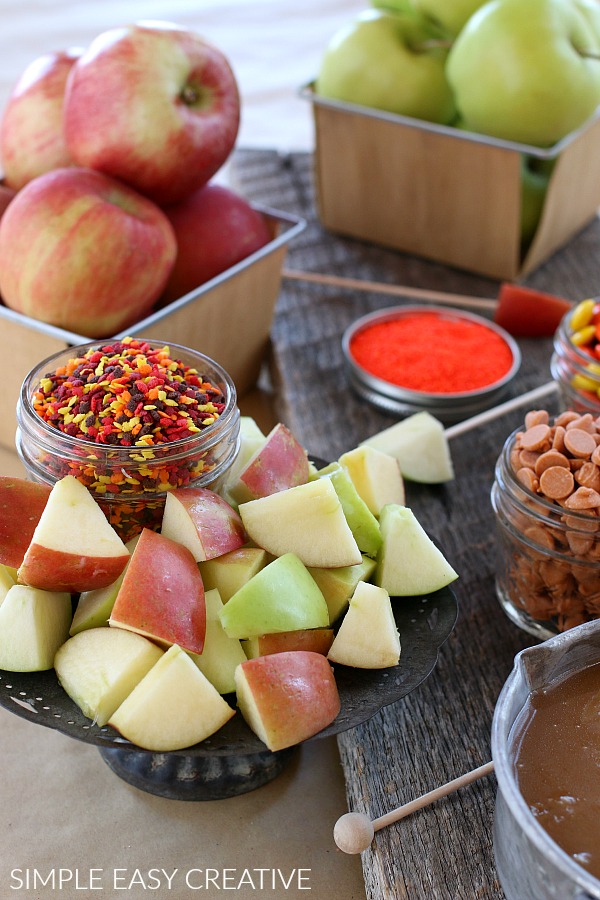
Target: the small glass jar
pixel 548 557
pixel 129 483
pixel 576 372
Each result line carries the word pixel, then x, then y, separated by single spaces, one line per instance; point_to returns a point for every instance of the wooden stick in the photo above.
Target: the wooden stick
pixel 353 832
pixel 488 415
pixel 395 290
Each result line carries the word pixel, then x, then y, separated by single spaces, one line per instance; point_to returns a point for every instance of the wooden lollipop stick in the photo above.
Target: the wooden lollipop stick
pixel 353 832
pixel 395 290
pixel 488 415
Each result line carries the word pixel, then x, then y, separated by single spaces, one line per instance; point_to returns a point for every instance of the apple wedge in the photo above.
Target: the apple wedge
pixel 230 572
pixel 99 667
pixel 22 503
pixel 33 625
pixel 162 594
pixel 376 476
pixel 367 637
pixel 221 653
pixel 363 524
pixel 281 597
pixel 280 463
pixel 307 520
pixel 174 706
pixel 94 607
pixel 251 440
pixel 420 445
pixel 286 698
pixel 319 640
pixel 409 563
pixel 338 585
pixel 202 521
pixel 73 548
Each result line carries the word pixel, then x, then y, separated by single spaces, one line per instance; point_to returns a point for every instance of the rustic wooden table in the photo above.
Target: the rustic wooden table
pixel 442 729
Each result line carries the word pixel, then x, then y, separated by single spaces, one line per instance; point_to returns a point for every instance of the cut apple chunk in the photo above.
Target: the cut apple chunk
pixel 98 668
pixel 367 637
pixel 362 522
pixel 73 548
pixel 221 654
pixel 280 463
pixel 409 564
pixel 22 503
pixel 33 625
pixel 319 640
pixel 338 585
pixel 162 594
pixel 376 476
pixel 420 445
pixel 228 573
pixel 307 520
pixel 281 597
pixel 286 698
pixel 251 440
pixel 174 706
pixel 202 521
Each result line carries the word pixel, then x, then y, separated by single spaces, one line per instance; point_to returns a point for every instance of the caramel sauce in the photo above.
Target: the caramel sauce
pixel 556 749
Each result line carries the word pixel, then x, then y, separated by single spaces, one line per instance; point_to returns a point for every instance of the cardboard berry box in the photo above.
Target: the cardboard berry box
pixel 228 318
pixel 445 194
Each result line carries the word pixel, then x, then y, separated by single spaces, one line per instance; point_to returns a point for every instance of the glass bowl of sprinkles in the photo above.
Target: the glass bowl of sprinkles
pixel 130 419
pixel 451 363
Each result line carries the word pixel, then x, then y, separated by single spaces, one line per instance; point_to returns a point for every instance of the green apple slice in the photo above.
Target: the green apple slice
pixel 338 585
pixel 367 637
pixel 409 564
pixel 362 522
pixel 228 573
pixel 420 445
pixel 376 476
pixel 33 625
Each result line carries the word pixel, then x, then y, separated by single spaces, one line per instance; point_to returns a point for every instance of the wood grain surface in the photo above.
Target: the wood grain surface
pixel 442 729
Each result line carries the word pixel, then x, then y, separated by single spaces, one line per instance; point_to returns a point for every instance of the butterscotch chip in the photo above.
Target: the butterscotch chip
pixel 579 443
pixel 540 535
pixel 556 482
pixel 558 440
pixel 537 438
pixel 563 418
pixel 583 498
pixel 536 417
pixel 550 458
pixel 595 457
pixel 528 458
pixel 528 478
pixel 585 422
pixel 588 475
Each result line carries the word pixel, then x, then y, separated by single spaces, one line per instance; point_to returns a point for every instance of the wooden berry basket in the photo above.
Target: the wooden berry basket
pixel 228 319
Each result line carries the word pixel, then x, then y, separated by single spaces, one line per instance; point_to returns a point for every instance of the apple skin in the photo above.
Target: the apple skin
pixel 154 105
pixel 215 229
pixel 280 463
pixel 6 195
pixel 451 15
pixel 31 130
pixel 518 73
pixel 371 62
pixel 318 640
pixel 203 522
pixel 21 505
pixel 83 252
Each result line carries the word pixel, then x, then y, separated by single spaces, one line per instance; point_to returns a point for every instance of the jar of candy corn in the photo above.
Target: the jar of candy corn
pixel 575 363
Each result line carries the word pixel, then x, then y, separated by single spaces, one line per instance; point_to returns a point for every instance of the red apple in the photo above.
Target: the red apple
pixel 21 506
pixel 215 229
pixel 73 547
pixel 154 105
pixel 203 522
pixel 319 640
pixel 287 697
pixel 280 463
pixel 31 131
pixel 84 252
pixel 162 595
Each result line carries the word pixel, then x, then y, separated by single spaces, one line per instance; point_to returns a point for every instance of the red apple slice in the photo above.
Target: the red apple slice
pixel 22 503
pixel 525 312
pixel 203 522
pixel 319 640
pixel 162 595
pixel 279 464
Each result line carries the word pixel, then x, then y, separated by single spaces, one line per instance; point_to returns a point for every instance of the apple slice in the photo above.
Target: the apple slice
pixel 409 563
pixel 280 463
pixel 362 522
pixel 367 637
pixel 7 580
pixel 307 520
pixel 251 439
pixel 281 597
pixel 525 312
pixel 287 697
pixel 22 503
pixel 162 594
pixel 174 706
pixel 228 573
pixel 221 653
pixel 202 521
pixel 94 607
pixel 338 585
pixel 33 625
pixel 319 640
pixel 99 667
pixel 376 476
pixel 73 548
pixel 420 445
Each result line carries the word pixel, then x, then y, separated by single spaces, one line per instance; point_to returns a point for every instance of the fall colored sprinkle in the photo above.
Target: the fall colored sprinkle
pixel 128 394
pixel 432 353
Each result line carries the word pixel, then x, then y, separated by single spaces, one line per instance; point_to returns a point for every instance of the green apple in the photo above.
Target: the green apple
pixel 221 653
pixel 228 573
pixel 307 520
pixel 376 476
pixel 174 706
pixel 318 640
pixel 450 15
pixel 287 697
pixel 33 625
pixel 526 72
pixel 409 564
pixel 99 667
pixel 388 61
pixel 281 597
pixel 337 585
pixel 420 445
pixel 367 637
pixel 281 462
pixel 362 522
pixel 534 184
pixel 94 607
